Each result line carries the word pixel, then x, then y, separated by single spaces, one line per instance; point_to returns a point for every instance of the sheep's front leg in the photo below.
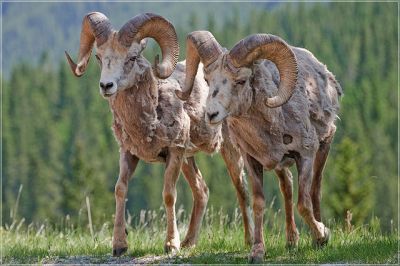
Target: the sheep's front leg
pixel 173 167
pixel 200 197
pixel 255 170
pixel 286 186
pixel 320 232
pixel 127 165
pixel 234 163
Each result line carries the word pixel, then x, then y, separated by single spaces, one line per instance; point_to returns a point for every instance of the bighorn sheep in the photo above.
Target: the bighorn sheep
pixel 272 132
pixel 150 123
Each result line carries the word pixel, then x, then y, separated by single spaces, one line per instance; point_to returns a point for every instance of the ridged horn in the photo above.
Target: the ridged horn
pixel 95 27
pixel 200 46
pixel 273 48
pixel 161 30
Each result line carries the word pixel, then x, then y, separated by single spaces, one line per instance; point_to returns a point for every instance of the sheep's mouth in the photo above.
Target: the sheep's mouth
pixel 215 123
pixel 107 95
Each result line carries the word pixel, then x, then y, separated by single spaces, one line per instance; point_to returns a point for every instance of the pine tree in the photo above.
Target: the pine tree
pixel 350 185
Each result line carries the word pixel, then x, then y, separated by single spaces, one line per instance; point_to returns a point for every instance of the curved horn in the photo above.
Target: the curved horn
pixel 200 46
pixel 273 48
pixel 161 30
pixel 95 27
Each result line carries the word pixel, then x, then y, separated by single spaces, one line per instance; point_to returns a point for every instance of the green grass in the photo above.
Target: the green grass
pixel 221 242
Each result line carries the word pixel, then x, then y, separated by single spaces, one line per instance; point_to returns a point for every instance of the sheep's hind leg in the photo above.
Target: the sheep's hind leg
pixel 200 198
pixel 255 170
pixel 320 232
pixel 234 163
pixel 127 165
pixel 173 167
pixel 286 186
pixel 319 164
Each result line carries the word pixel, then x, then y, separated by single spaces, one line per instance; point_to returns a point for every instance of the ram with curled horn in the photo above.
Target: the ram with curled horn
pixel 280 104
pixel 151 124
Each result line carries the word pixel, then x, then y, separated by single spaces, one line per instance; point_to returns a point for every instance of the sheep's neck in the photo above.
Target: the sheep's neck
pixel 134 113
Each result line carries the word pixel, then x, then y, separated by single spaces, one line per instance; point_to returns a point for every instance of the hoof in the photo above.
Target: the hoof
pixel 117 252
pixel 319 243
pixel 257 254
pixel 171 248
pixel 256 259
pixel 292 240
pixel 187 244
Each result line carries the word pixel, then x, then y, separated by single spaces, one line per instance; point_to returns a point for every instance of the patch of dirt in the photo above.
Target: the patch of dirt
pixel 151 259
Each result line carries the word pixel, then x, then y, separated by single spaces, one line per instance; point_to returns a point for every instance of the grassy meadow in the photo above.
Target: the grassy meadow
pixel 221 241
pixel 58 150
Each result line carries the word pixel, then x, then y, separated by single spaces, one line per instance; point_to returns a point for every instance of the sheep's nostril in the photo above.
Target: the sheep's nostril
pixel 109 85
pixel 212 116
pixel 106 86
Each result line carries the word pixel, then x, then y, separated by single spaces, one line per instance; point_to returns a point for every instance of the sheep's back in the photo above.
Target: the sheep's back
pixel 317 87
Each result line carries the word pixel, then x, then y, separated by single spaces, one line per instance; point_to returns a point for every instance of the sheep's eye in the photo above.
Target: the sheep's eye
pixel 207 82
pixel 240 82
pixel 133 58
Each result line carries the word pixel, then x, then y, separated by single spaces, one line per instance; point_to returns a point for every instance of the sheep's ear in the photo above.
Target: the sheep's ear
pixel 143 44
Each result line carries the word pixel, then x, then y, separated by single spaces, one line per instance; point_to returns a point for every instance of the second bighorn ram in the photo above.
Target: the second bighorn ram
pixel 280 103
pixel 150 123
